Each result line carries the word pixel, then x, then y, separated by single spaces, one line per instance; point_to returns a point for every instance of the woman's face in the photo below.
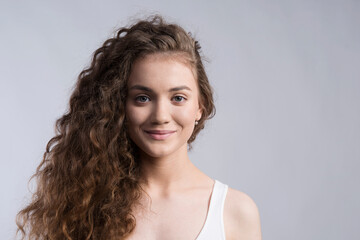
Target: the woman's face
pixel 162 105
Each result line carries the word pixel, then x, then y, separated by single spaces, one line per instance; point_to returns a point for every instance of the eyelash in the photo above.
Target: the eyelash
pixel 141 96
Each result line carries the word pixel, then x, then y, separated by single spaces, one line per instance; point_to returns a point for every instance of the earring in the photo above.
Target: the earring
pixel 196 122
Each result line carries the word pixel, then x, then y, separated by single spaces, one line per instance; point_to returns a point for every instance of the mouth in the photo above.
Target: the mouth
pixel 159 134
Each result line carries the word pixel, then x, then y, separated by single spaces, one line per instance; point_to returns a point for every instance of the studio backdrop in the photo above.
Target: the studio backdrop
pixel 287 92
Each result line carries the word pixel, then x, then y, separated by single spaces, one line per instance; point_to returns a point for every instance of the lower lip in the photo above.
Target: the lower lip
pixel 159 136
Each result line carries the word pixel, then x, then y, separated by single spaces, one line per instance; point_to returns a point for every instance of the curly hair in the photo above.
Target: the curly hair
pixel 88 179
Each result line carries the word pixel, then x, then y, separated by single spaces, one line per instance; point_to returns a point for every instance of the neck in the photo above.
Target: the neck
pixel 169 173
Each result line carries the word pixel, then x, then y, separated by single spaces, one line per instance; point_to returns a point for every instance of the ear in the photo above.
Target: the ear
pixel 199 113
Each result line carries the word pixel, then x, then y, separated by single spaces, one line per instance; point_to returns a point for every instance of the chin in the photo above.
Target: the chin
pixel 157 152
pixel 161 151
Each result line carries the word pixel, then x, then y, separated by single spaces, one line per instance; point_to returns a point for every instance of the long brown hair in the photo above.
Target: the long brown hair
pixel 88 180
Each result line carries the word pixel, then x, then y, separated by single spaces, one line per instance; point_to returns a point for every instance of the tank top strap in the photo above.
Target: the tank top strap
pixel 214 223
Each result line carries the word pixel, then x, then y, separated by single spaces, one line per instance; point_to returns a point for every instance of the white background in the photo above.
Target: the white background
pixel 286 76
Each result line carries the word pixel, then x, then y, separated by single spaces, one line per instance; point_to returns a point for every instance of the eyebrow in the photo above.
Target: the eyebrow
pixel 140 87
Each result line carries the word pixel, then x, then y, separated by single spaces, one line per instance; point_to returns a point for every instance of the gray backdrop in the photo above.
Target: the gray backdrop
pixel 287 88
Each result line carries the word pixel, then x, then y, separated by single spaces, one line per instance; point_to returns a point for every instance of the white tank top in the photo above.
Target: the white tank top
pixel 213 228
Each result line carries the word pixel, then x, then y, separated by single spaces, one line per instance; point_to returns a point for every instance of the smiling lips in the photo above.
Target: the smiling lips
pixel 159 134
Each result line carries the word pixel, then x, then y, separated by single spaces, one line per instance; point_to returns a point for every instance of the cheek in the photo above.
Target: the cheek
pixel 187 115
pixel 133 119
pixel 134 115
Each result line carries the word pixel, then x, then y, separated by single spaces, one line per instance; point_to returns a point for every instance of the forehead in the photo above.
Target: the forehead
pixel 162 71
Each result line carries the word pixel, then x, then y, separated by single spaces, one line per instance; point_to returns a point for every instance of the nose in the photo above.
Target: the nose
pixel 160 112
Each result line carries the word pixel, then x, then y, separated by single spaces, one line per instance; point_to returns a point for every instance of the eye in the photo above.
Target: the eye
pixel 141 99
pixel 179 98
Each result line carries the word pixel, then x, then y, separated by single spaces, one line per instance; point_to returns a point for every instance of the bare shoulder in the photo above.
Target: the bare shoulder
pixel 241 216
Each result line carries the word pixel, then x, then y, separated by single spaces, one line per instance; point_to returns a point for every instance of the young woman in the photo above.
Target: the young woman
pixel 118 167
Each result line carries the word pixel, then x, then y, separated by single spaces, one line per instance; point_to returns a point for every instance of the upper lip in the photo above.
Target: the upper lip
pixel 159 131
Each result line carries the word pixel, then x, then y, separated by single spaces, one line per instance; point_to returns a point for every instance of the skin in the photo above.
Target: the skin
pixel 178 192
